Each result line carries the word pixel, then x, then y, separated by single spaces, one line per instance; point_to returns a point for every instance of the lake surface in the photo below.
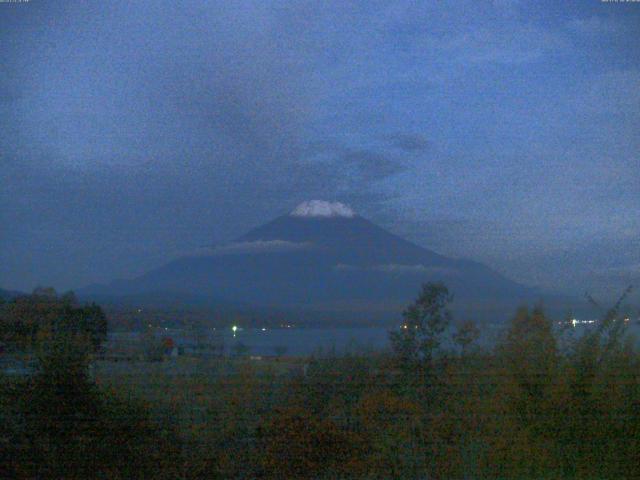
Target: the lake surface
pixel 303 341
pixel 307 341
pixel 338 340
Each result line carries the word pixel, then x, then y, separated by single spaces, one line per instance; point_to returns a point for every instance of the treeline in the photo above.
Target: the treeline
pixel 30 321
pixel 529 408
pixel 57 423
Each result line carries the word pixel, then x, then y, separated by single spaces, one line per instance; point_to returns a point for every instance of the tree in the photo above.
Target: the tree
pixel 152 346
pixel 295 443
pixel 48 293
pixel 531 351
pixel 27 321
pixel 424 323
pixel 62 425
pixel 466 334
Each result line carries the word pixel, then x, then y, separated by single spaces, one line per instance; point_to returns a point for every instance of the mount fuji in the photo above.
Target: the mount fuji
pixel 324 258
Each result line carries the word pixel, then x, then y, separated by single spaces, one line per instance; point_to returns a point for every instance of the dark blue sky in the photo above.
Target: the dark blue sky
pixel 504 131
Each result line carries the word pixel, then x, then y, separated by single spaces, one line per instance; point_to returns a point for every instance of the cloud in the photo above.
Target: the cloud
pixel 397 269
pixel 9 93
pixel 595 25
pixel 394 268
pixel 254 247
pixel 510 6
pixel 332 170
pixel 408 142
pixel 622 273
pixel 372 165
pixel 613 92
pixel 512 44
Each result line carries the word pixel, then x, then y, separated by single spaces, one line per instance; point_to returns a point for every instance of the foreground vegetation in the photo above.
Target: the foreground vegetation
pixel 530 408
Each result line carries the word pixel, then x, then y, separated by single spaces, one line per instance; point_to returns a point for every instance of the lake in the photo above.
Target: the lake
pixel 303 341
pixel 339 340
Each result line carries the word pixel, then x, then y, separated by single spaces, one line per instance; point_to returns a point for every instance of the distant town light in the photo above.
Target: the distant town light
pixel 575 321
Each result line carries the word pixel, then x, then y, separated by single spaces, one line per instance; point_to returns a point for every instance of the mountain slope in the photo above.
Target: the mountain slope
pixel 324 257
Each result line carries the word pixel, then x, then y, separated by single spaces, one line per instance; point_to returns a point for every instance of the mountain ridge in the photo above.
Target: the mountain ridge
pixel 323 255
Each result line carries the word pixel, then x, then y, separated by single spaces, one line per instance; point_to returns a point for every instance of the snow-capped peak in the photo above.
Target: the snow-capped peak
pixel 321 208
